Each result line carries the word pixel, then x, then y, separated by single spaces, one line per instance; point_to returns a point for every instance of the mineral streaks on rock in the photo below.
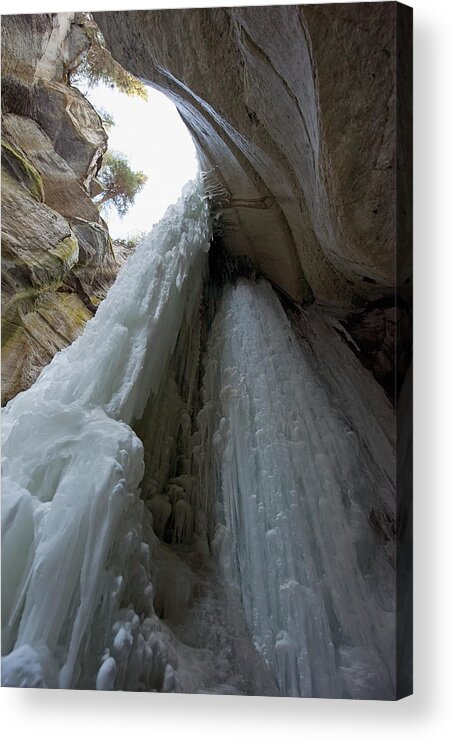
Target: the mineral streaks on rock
pixel 57 262
pixel 268 93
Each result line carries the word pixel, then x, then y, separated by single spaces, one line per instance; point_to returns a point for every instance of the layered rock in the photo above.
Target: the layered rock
pixel 57 259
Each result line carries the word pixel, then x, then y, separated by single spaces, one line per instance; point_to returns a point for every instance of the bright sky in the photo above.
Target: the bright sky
pixel 155 141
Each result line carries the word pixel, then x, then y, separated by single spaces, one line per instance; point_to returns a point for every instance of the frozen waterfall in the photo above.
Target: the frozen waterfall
pixel 296 484
pixel 72 465
pixel 198 494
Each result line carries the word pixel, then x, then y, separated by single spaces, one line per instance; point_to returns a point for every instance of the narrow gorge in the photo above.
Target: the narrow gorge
pixel 199 448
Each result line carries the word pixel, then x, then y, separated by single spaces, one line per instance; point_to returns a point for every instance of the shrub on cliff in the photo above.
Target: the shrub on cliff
pixel 121 183
pixel 106 118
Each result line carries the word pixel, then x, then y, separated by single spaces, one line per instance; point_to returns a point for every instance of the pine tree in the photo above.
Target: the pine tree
pixel 121 183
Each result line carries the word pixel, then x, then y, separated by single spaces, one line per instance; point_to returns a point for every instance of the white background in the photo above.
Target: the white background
pixel 54 715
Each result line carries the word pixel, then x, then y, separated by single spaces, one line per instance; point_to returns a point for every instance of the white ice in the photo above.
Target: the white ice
pixel 230 539
pixel 296 440
pixel 72 518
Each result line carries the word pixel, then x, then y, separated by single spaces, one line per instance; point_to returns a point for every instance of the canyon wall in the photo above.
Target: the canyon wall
pixel 293 112
pixel 57 260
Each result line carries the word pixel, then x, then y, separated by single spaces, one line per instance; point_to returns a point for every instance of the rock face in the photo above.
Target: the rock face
pixel 57 260
pixel 293 113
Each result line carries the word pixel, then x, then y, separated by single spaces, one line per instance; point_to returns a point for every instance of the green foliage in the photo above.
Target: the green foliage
pixel 106 118
pixel 100 67
pixel 121 184
pixel 131 241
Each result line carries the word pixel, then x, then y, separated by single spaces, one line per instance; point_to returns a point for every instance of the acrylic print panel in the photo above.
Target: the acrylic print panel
pixel 207 423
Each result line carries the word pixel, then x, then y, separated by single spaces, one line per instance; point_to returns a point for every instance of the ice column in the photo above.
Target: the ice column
pixel 300 457
pixel 72 517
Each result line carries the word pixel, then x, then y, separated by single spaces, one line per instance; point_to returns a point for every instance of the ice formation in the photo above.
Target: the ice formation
pixel 198 494
pixel 74 561
pixel 300 464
